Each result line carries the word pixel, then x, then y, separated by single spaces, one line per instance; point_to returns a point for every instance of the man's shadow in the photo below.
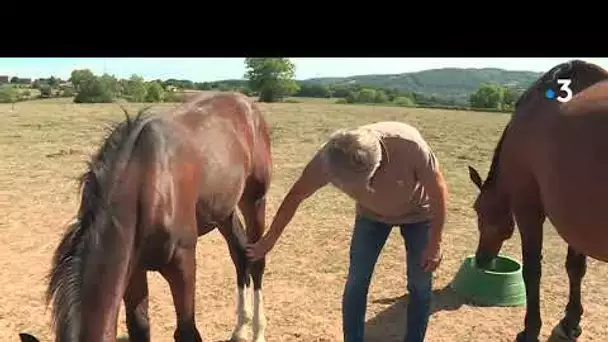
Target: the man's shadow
pixel 390 324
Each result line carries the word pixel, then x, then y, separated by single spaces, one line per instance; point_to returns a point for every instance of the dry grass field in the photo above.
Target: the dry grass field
pixel 43 147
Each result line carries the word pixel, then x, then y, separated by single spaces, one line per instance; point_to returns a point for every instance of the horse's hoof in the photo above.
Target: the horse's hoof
pixel 559 334
pixel 523 337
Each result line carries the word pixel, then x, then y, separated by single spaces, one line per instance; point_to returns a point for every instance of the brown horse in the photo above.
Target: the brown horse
pixel 157 183
pixel 550 162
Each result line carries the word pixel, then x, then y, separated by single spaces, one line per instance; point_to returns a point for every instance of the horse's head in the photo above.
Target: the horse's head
pixel 494 219
pixel 27 338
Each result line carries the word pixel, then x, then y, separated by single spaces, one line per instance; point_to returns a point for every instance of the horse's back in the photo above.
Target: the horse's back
pixel 234 109
pixel 589 102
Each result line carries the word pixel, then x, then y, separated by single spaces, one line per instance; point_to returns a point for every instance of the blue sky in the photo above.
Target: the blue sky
pixel 212 69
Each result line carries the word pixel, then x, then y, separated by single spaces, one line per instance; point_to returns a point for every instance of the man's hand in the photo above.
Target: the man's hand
pixel 431 256
pixel 259 249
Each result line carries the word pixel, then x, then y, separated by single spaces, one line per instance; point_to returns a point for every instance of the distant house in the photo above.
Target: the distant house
pixel 4 79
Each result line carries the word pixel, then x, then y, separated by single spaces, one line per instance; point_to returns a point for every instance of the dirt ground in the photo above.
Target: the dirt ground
pixel 43 147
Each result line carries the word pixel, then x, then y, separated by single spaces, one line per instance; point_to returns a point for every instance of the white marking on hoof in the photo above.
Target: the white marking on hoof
pixel 259 318
pixel 243 315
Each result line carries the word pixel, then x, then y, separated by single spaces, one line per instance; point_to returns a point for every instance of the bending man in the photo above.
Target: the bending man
pixel 394 177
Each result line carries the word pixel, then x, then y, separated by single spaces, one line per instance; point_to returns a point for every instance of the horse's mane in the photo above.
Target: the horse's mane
pixel 495 159
pixel 82 236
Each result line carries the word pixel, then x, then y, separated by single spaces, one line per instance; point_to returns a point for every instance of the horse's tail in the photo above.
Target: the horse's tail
pixel 92 259
pixel 65 281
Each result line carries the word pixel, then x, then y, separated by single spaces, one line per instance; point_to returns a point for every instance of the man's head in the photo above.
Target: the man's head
pixel 353 155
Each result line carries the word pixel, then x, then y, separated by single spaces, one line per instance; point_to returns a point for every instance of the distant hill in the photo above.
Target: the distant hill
pixel 447 83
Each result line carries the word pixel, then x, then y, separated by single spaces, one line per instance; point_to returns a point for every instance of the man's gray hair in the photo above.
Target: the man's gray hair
pixel 354 155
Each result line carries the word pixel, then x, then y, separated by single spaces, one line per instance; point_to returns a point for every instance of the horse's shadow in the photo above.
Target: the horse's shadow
pixel 389 325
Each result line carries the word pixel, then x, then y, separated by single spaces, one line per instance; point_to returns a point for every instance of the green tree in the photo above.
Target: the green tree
pixel 155 92
pixel 381 96
pixel 352 96
pixel 341 90
pixel 67 92
pixel 80 77
pixel 135 89
pixel 487 96
pixel 313 90
pixel 404 101
pixel 9 94
pixel 511 95
pixel 110 82
pixel 94 90
pixel 367 95
pixel 272 78
pixel 203 86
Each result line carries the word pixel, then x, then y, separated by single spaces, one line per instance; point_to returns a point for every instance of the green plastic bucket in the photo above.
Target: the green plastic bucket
pixel 501 284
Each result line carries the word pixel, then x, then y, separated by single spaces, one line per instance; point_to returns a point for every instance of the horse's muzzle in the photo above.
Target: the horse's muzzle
pixel 483 259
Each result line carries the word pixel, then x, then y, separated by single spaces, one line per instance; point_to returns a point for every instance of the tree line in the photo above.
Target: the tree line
pixel 270 79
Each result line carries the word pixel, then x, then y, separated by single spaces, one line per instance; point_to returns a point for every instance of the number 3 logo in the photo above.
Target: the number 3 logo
pixel 565 87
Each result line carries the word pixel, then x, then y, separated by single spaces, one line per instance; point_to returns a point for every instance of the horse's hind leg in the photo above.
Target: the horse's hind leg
pixel 253 207
pixel 228 229
pixel 136 307
pixel 569 329
pixel 181 275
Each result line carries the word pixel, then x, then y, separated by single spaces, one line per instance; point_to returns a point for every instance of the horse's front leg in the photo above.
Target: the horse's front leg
pixel 530 223
pixel 253 212
pixel 569 329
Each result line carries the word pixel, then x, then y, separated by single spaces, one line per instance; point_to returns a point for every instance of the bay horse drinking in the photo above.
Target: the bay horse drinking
pixel 156 184
pixel 550 163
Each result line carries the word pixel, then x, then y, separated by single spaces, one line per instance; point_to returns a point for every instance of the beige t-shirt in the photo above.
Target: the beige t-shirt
pixel 398 196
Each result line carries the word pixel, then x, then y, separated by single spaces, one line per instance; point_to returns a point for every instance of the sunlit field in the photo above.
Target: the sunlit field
pixel 43 148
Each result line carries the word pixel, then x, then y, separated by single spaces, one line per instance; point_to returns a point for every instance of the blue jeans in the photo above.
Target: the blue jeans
pixel 368 238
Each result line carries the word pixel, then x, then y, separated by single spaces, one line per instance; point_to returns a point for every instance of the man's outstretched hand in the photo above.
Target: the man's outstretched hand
pixel 258 250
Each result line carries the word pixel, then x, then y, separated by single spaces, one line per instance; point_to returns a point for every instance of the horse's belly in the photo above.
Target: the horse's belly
pixel 218 198
pixel 580 217
pixel 589 240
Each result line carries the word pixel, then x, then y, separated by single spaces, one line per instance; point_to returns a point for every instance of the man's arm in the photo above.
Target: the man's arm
pixel 312 179
pixel 431 177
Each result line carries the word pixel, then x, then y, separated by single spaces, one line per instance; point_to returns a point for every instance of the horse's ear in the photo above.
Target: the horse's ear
pixel 475 178
pixel 27 338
